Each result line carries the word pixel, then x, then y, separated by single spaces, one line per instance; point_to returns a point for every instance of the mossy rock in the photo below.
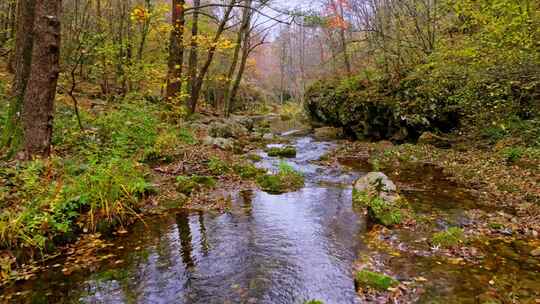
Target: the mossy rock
pixel 375 280
pixel 285 180
pixel 187 185
pixel 254 157
pixel 448 238
pixel 314 302
pixel 287 151
pixel 380 210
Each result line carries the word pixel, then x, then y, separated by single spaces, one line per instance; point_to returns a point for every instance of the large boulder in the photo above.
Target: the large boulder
pixel 246 121
pixel 376 192
pixel 219 142
pixel 227 129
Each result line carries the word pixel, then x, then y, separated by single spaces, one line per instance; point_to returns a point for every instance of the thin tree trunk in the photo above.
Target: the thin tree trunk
pixel 211 52
pixel 241 41
pixel 343 40
pixel 39 97
pixel 193 55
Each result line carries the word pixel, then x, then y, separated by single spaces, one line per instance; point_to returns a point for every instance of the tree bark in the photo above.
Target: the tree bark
pixel 193 55
pixel 176 50
pixel 38 105
pixel 22 61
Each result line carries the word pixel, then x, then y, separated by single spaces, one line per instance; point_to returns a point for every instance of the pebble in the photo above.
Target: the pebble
pixel 536 252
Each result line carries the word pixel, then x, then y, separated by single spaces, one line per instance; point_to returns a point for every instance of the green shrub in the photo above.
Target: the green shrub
pixel 287 179
pixel 50 199
pixel 512 154
pixel 448 238
pixel 375 280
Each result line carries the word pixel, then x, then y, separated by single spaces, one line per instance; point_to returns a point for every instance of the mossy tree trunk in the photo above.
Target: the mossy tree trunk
pixel 12 133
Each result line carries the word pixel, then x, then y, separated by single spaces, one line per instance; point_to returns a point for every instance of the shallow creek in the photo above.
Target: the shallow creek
pixel 286 248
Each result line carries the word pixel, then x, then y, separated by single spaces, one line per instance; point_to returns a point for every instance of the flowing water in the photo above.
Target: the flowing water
pixel 285 248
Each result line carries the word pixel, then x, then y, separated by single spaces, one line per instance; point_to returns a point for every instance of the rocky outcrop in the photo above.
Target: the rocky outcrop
pixel 376 110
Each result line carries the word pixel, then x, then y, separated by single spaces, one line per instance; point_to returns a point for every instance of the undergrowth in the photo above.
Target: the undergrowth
pixel 96 180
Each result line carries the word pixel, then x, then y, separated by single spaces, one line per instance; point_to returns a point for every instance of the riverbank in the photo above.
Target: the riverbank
pixel 476 212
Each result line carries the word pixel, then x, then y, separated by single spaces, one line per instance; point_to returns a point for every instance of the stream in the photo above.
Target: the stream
pixel 286 248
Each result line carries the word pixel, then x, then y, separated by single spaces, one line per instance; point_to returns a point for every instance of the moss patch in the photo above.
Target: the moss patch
pixel 254 157
pixel 287 151
pixel 448 238
pixel 375 280
pixel 248 171
pixel 385 212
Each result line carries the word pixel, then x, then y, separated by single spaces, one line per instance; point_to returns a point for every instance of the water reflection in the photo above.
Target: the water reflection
pixel 184 231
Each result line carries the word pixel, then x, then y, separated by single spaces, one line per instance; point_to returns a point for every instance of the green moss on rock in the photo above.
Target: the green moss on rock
pixel 287 151
pixel 374 280
pixel 287 179
pixel 385 212
pixel 248 171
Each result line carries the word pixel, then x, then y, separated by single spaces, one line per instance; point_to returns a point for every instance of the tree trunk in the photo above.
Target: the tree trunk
pixel 241 44
pixel 176 50
pixel 22 60
pixel 195 92
pixel 193 55
pixel 343 40
pixel 38 105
